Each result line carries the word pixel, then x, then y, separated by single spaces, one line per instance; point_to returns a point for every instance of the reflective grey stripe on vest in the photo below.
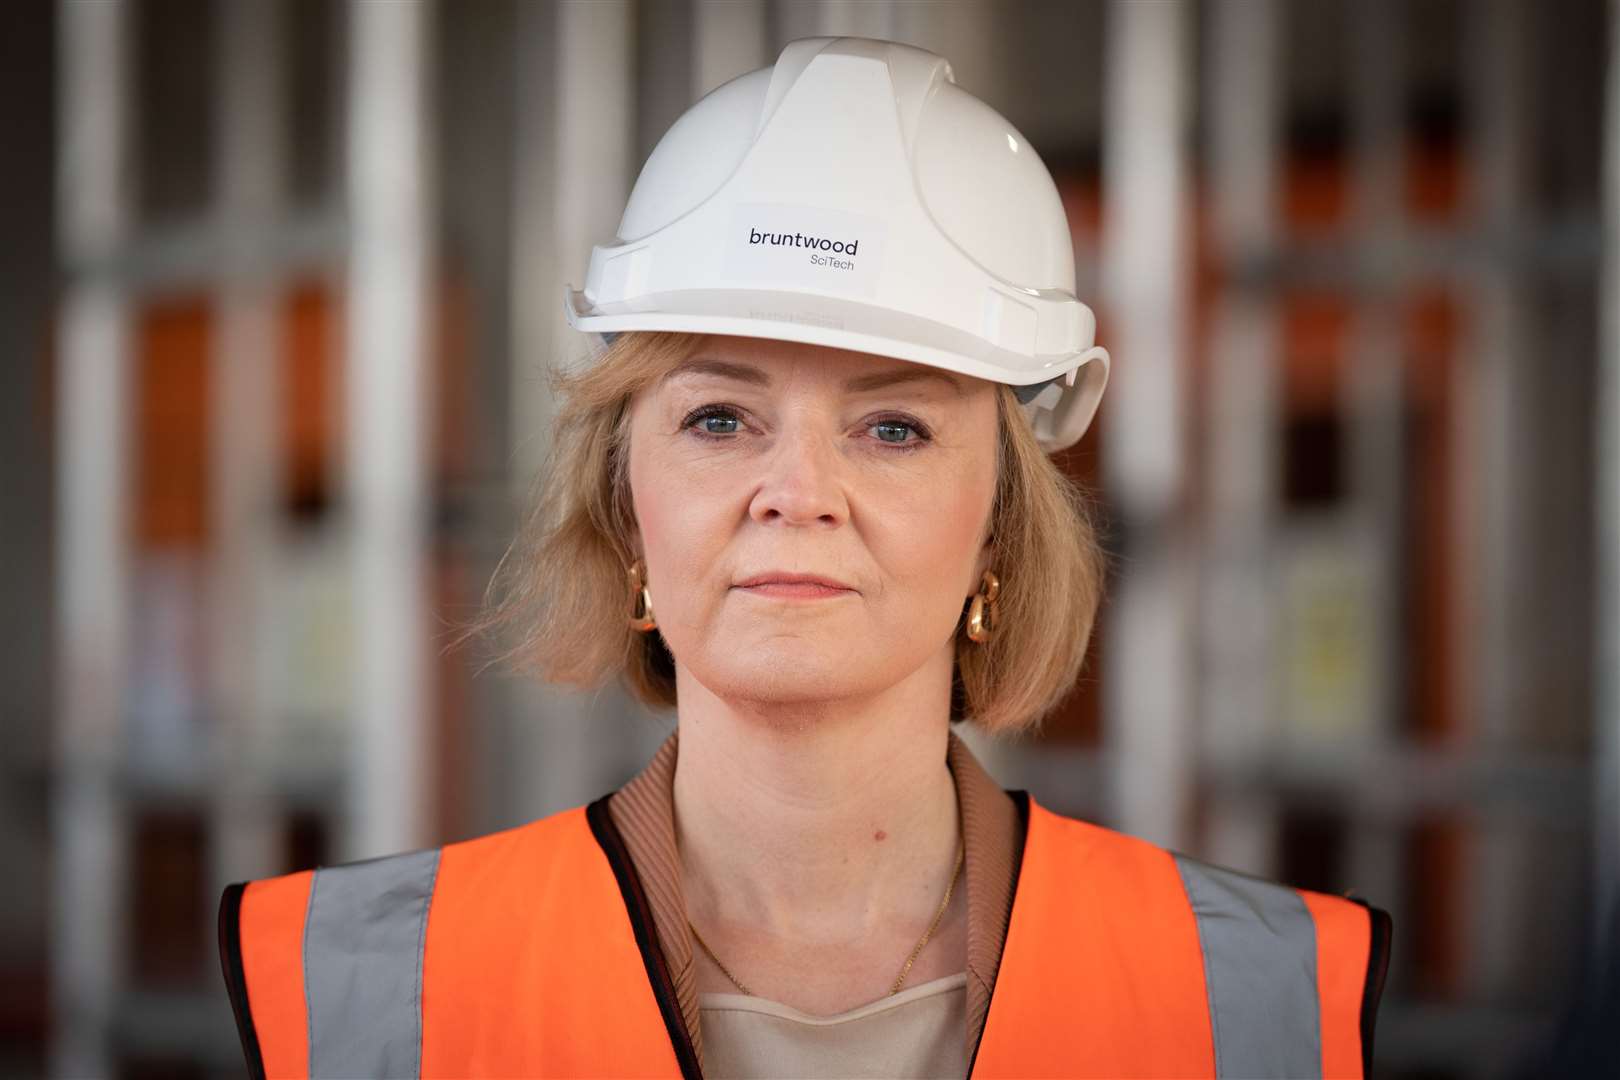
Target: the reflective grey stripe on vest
pixel 1259 946
pixel 363 938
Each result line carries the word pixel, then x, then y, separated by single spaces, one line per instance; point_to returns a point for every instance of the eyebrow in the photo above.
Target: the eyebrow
pixel 747 373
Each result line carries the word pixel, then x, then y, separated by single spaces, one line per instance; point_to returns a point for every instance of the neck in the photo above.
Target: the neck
pixel 820 823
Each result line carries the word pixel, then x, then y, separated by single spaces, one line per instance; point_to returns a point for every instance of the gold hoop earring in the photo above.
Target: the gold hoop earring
pixel 641 609
pixel 979 628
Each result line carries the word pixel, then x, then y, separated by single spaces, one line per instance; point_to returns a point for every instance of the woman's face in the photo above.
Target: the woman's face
pixel 760 458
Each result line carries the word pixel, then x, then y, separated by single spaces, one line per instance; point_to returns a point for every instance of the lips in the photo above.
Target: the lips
pixel 788 578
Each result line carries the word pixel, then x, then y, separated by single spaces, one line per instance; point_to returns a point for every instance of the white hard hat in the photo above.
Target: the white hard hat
pixel 851 195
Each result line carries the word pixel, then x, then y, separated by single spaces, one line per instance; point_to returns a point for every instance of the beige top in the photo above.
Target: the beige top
pixel 915 1033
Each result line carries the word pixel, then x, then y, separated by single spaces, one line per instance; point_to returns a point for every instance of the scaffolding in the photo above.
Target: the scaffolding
pixel 1359 467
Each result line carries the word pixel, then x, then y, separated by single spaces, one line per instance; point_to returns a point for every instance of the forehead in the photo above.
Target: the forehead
pixel 764 362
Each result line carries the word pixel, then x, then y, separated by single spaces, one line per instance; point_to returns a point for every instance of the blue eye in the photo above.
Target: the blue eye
pixel 713 421
pixel 718 422
pixel 894 428
pixel 892 431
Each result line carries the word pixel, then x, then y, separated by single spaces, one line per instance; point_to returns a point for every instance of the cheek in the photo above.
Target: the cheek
pixel 928 537
pixel 675 507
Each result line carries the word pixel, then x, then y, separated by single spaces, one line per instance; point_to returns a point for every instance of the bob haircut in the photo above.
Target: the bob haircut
pixel 562 585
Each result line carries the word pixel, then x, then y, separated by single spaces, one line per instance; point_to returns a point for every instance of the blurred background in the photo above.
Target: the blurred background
pixel 281 284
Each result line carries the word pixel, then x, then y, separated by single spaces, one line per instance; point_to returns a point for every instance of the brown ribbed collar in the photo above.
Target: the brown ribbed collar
pixel 993 841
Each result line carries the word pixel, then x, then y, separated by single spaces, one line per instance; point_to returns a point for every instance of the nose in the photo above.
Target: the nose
pixel 803 483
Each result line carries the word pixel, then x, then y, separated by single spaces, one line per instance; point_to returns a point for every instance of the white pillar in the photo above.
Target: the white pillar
pixel 835 18
pixel 1237 616
pixel 389 331
pixel 577 87
pixel 243 437
pixel 1145 273
pixel 1373 376
pixel 1372 398
pixel 89 886
pixel 729 39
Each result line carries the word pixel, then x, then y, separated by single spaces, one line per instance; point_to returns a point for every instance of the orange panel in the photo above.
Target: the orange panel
pixel 272 935
pixel 531 966
pixel 1101 974
pixel 1343 938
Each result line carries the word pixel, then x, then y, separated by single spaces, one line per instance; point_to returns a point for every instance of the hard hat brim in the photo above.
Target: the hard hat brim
pixel 819 320
pixel 843 323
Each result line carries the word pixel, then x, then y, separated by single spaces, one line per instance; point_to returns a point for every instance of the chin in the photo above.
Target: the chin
pixel 790 671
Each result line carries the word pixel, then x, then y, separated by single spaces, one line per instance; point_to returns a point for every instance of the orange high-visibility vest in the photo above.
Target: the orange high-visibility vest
pixel 532 952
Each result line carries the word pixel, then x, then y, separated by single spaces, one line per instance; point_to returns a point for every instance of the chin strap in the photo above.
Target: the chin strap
pixel 1060 414
pixel 1027 394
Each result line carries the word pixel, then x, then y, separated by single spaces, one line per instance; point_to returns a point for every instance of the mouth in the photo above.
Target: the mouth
pixel 789 586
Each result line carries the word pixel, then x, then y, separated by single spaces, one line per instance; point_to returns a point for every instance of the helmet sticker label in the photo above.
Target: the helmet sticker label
pixel 774 244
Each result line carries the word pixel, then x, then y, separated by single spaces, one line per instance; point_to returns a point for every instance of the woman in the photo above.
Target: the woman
pixel 803 497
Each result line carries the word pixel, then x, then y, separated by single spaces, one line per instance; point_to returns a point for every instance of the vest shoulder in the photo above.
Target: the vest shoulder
pixel 1075 846
pixel 530 839
pixel 1072 840
pixel 541 838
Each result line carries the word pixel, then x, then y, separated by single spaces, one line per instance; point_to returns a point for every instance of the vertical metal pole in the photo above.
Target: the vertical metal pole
pixel 577 154
pixel 93 431
pixel 832 18
pixel 1607 721
pixel 729 39
pixel 514 745
pixel 1373 395
pixel 577 87
pixel 389 334
pixel 1237 618
pixel 1145 271
pixel 1373 383
pixel 965 32
pixel 1496 406
pixel 243 432
pixel 539 266
pixel 1492 466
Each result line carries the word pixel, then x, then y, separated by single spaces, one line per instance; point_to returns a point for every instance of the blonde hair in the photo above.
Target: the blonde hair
pixel 562 585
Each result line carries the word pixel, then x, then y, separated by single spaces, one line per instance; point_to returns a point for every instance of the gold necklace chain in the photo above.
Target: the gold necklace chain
pixel 961 854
